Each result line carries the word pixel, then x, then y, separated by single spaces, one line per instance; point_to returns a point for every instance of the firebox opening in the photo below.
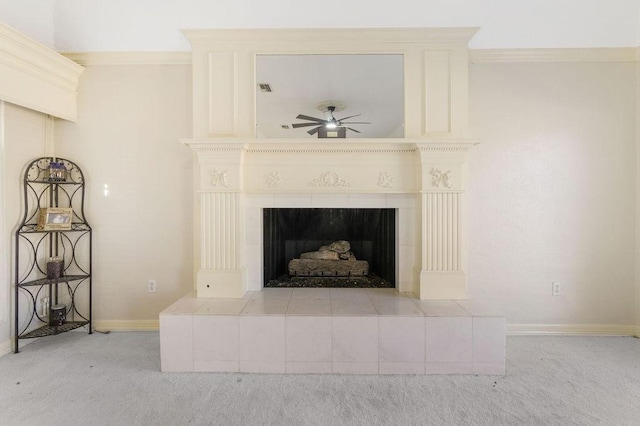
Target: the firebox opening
pixel 290 232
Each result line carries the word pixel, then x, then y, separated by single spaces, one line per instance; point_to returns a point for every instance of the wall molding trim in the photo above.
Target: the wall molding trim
pixel 604 54
pixel 129 58
pixel 37 77
pixel 126 325
pixel 572 330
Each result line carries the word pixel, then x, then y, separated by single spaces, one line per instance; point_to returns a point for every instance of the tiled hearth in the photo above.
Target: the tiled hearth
pixel 333 330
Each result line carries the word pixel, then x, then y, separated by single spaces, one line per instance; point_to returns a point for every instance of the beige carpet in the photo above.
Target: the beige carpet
pixel 81 379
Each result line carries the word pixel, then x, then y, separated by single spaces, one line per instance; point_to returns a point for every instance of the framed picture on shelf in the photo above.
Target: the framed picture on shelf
pixel 55 219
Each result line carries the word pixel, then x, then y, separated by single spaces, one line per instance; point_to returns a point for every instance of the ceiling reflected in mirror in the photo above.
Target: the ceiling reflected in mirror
pixel 306 96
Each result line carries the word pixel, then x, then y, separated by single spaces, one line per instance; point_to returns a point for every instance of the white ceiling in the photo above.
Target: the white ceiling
pixel 371 85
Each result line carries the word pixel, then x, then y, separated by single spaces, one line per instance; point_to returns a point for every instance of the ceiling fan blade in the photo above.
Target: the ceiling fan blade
pixel 314 131
pixel 306 117
pixel 353 130
pixel 296 125
pixel 355 122
pixel 351 116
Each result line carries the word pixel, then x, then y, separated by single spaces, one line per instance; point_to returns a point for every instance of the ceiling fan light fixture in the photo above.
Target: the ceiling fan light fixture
pixel 331 125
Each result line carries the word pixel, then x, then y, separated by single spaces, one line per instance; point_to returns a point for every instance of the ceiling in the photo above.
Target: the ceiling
pixel 371 85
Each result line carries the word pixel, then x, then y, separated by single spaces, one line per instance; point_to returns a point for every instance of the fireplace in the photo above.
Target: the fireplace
pixel 368 236
pixel 231 322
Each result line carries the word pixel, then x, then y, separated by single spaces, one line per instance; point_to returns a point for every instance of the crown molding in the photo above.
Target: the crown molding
pixel 572 330
pixel 333 35
pixel 37 77
pixel 614 54
pixel 129 58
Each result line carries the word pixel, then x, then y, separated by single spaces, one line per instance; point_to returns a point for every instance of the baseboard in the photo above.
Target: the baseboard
pixel 572 330
pixel 6 347
pixel 127 325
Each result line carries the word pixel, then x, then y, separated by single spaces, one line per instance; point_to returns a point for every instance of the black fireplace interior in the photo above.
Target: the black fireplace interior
pixel 288 232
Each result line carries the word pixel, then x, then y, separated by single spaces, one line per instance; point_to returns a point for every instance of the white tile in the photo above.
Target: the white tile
pixel 355 368
pixel 448 339
pixel 489 339
pixel 441 308
pixel 479 309
pixel 449 368
pixel 273 294
pixel 407 262
pixel 398 307
pixel 254 253
pixel 309 307
pixel 355 339
pixel 400 201
pixel 215 338
pixel 352 307
pixel 216 366
pixel 255 276
pixel 269 301
pixel 382 294
pixel 311 293
pixel 259 200
pixel 408 229
pixel 292 200
pixel 349 294
pixel 185 305
pixel 221 306
pixel 262 367
pixel 494 369
pixel 363 201
pixel 262 339
pixel 253 226
pixel 176 338
pixel 401 368
pixel 402 339
pixel 308 339
pixel 308 367
pixel 329 200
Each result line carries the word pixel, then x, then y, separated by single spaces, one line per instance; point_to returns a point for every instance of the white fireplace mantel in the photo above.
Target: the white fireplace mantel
pixel 422 175
pixel 231 171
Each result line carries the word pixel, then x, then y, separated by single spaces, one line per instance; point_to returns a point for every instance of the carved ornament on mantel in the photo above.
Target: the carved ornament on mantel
pixel 219 178
pixel 385 180
pixel 439 177
pixel 273 179
pixel 329 179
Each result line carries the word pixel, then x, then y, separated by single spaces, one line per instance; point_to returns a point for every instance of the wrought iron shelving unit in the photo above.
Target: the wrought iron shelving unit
pixel 34 247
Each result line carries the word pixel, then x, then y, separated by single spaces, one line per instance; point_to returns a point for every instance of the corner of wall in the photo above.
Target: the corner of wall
pixel 637 278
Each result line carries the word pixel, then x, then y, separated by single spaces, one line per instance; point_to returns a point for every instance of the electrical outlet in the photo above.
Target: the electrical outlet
pixel 151 286
pixel 556 289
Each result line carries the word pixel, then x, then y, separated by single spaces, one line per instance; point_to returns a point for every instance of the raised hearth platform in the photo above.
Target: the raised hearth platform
pixel 331 330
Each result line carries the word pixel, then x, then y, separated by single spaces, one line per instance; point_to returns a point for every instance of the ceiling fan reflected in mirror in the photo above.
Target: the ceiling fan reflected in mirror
pixel 329 126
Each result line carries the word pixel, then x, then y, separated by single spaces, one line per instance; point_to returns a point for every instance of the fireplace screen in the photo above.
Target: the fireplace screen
pixel 335 247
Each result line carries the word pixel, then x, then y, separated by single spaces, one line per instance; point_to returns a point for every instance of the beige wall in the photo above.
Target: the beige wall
pixel 24 135
pixel 551 196
pixel 553 191
pixel 126 141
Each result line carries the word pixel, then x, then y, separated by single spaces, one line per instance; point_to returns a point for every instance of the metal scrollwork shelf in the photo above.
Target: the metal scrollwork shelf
pixel 53 290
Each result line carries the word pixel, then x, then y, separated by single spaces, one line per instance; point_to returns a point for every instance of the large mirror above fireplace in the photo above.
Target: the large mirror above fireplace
pixel 367 88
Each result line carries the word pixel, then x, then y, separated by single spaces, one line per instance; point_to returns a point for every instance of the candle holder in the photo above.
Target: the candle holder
pixel 57 315
pixel 57 172
pixel 55 267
